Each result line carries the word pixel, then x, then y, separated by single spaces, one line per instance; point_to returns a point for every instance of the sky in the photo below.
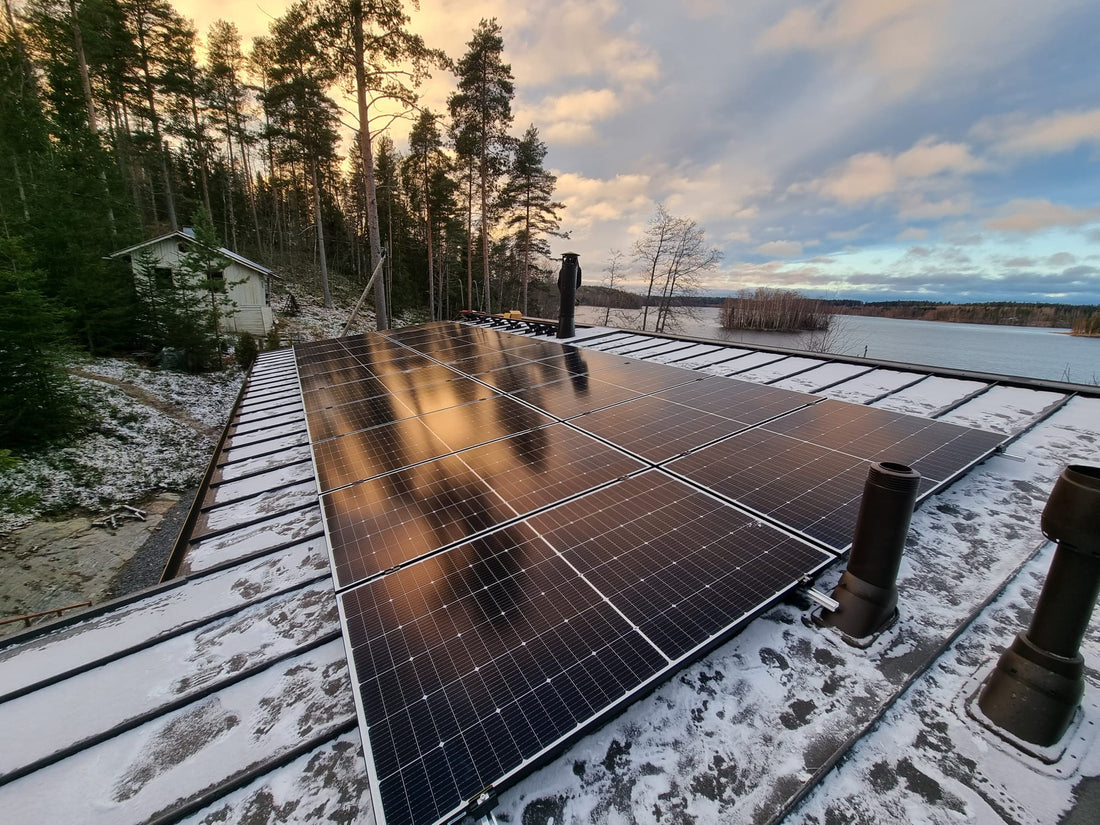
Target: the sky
pixel 871 149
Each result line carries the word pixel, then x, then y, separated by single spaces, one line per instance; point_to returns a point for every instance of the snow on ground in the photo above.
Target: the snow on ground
pixel 129 451
pixel 206 397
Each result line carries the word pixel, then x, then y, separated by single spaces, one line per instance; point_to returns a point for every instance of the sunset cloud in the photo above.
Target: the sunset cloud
pixel 1028 216
pixel 1058 132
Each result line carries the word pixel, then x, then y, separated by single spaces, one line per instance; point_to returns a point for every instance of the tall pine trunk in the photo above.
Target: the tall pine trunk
pixel 320 233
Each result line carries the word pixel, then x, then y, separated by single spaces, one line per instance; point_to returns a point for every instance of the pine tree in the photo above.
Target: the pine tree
pixel 425 161
pixel 39 402
pixel 528 195
pixel 371 44
pixel 303 114
pixel 481 111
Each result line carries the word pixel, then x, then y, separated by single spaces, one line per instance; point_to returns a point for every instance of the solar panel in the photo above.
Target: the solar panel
pixel 526 535
pixel 385 407
pixel 475 661
pixel 807 469
pixel 573 396
pixel 681 566
pixel 471 662
pixel 937 449
pixel 740 401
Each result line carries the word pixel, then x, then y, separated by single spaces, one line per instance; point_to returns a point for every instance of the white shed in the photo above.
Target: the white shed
pixel 248 284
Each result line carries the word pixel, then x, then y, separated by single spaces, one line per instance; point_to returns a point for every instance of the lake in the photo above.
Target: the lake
pixel 1032 352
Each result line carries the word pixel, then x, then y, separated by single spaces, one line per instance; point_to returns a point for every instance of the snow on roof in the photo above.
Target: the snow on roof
pixel 224 695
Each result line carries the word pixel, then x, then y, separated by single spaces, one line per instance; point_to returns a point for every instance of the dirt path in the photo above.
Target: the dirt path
pixel 150 400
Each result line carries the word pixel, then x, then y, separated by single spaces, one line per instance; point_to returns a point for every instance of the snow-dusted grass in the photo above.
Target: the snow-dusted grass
pixel 128 452
pixel 206 397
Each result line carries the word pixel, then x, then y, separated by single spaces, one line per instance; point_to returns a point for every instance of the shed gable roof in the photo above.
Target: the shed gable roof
pixel 187 235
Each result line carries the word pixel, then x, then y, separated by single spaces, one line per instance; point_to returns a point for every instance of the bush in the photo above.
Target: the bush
pixel 246 350
pixel 271 340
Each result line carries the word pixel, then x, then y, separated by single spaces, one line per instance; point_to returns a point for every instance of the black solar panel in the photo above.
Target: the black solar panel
pixel 574 396
pixel 474 661
pixel 680 565
pixel 937 449
pixel 386 407
pixel 740 401
pixel 524 535
pixel 366 454
pixel 807 469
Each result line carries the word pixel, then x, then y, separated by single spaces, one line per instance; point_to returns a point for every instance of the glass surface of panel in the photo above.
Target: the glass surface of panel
pixel 682 566
pixel 574 396
pixel 740 401
pixel 391 520
pixel 654 428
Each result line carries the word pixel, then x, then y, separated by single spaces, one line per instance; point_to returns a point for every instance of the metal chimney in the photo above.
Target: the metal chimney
pixel 569 279
pixel 1037 685
pixel 867 592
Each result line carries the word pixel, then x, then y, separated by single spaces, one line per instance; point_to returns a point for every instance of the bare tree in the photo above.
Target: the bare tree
pixel 614 264
pixel 675 255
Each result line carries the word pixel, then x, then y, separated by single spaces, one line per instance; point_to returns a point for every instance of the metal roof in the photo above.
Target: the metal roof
pixel 224 695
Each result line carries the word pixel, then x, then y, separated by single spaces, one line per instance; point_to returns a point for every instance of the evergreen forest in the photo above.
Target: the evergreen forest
pixel 119 122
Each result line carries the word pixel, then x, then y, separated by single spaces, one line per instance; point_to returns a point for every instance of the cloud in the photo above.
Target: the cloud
pixel 556 39
pixel 1050 134
pixel 870 175
pixel 916 208
pixel 913 233
pixel 780 249
pixel 594 200
pixel 1027 216
pixel 897 41
pixel 848 234
pixel 571 118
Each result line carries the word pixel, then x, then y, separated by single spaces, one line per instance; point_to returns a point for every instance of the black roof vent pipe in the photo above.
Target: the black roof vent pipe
pixel 867 592
pixel 1039 680
pixel 569 281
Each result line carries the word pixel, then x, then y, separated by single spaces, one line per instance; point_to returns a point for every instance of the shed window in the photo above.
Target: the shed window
pixel 163 277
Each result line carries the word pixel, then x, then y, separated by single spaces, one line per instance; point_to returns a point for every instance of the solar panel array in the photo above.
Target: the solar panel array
pixel 526 535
